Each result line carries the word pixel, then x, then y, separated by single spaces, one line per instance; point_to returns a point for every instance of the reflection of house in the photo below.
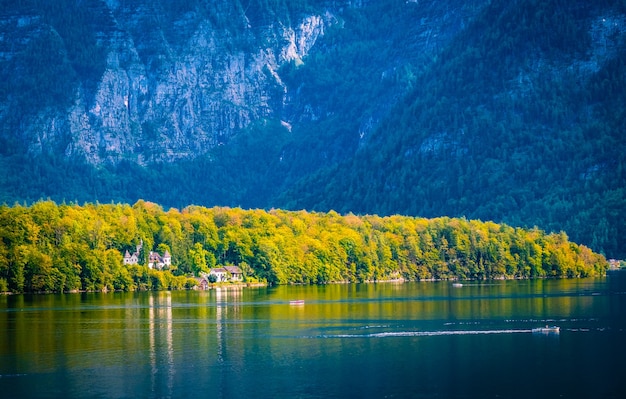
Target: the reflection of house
pixel 156 261
pixel 133 259
pixel 227 273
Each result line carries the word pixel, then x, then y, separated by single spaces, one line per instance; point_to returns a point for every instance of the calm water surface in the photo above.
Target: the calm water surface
pixel 413 340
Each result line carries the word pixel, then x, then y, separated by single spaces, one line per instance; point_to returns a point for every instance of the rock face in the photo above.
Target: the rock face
pixel 160 81
pixel 173 82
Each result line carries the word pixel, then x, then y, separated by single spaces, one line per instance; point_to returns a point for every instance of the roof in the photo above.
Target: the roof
pixel 218 270
pixel 154 256
pixel 233 269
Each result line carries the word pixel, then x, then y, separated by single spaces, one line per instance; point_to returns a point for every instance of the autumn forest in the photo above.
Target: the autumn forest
pixel 47 247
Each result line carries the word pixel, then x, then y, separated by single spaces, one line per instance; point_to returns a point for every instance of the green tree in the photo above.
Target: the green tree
pixel 198 257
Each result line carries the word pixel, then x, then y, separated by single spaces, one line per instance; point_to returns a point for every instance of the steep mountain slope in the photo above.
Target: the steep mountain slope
pixel 212 94
pixel 520 119
pixel 505 110
pixel 146 81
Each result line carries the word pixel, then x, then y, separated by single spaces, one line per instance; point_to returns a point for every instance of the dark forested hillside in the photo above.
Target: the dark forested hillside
pixel 511 111
pixel 520 119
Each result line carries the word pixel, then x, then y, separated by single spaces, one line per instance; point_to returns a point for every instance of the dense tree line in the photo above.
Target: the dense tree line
pixel 56 248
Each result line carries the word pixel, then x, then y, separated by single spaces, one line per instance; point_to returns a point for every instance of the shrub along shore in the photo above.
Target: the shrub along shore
pixel 47 247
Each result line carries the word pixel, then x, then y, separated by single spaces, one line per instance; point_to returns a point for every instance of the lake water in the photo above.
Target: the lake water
pixel 412 340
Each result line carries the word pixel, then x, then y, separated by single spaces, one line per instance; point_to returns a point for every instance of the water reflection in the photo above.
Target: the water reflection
pixel 159 319
pixel 227 312
pixel 375 340
pixel 227 306
pixel 219 323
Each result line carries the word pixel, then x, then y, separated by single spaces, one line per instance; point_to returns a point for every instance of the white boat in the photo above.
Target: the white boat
pixel 297 302
pixel 547 330
pixel 457 285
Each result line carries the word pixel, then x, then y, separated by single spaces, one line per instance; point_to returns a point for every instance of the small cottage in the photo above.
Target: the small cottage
pixel 235 273
pixel 203 283
pixel 219 273
pixel 227 273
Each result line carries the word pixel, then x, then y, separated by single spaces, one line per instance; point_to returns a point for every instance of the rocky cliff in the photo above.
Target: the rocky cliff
pixel 172 81
pixel 160 81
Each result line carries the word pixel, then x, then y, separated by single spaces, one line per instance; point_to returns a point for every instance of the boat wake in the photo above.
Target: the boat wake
pixel 11 375
pixel 423 333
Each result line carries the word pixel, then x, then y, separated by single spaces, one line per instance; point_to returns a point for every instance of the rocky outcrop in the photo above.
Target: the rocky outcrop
pixel 175 83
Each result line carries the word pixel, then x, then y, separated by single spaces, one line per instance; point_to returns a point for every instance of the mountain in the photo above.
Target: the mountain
pixel 511 111
pixel 146 82
pixel 520 118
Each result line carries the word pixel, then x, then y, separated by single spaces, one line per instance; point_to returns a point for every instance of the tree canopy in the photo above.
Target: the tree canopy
pixel 47 247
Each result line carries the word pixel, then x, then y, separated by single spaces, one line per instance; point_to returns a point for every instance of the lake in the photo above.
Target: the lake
pixel 385 340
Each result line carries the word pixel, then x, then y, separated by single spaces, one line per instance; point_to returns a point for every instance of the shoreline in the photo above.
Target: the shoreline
pixel 243 285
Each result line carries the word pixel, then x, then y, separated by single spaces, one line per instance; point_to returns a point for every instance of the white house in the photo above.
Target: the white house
pixel 156 261
pixel 227 273
pixel 133 259
pixel 219 273
pixel 235 273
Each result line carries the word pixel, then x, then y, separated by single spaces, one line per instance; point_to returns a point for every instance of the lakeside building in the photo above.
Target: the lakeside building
pixel 203 283
pixel 227 273
pixel 222 275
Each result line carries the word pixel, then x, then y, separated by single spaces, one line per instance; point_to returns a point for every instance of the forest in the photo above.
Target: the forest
pixel 49 247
